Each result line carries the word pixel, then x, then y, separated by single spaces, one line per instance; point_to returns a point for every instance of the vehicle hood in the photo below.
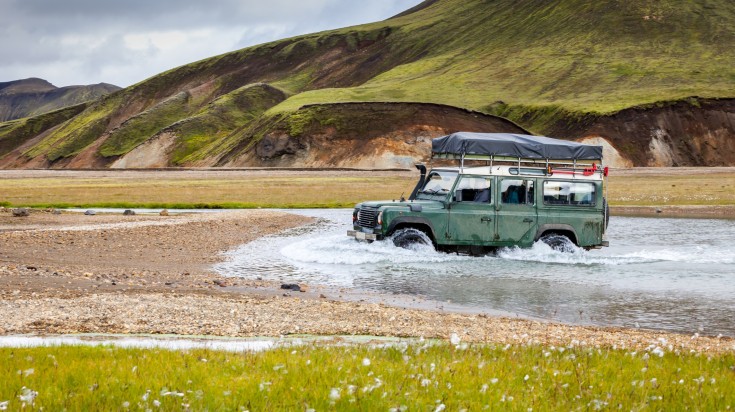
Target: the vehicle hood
pixel 426 204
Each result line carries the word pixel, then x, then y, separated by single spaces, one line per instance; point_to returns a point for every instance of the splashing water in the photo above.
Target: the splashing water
pixel 663 273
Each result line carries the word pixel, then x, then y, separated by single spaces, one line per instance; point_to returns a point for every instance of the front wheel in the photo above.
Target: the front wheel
pixel 409 238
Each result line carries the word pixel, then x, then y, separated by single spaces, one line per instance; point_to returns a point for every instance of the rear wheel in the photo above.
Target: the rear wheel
pixel 410 237
pixel 560 243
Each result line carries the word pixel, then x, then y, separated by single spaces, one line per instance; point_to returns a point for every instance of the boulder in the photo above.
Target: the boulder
pixel 164 212
pixel 291 286
pixel 90 212
pixel 128 212
pixel 20 212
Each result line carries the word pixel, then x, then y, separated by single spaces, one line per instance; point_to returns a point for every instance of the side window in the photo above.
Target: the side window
pixel 569 193
pixel 474 189
pixel 516 192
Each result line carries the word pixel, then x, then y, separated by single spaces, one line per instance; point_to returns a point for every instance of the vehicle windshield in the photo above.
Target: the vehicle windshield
pixel 439 182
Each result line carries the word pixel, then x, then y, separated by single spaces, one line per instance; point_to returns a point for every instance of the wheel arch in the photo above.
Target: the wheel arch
pixel 559 229
pixel 411 221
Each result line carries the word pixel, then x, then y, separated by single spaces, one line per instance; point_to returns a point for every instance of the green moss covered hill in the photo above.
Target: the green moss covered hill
pixel 653 78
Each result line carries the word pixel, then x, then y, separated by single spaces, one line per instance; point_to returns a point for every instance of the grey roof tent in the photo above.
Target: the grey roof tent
pixel 506 145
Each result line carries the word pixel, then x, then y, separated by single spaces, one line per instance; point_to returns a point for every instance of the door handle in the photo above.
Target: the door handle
pixel 528 220
pixel 486 219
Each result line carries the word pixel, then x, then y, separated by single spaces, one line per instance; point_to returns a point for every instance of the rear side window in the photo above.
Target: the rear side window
pixel 569 193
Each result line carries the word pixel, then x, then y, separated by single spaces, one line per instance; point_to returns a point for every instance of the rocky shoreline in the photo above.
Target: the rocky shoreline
pixel 72 273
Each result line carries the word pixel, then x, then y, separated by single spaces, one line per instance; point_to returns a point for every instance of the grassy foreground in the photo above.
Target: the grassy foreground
pixel 669 187
pixel 395 378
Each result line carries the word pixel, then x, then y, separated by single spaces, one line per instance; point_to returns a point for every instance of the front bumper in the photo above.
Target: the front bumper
pixel 362 235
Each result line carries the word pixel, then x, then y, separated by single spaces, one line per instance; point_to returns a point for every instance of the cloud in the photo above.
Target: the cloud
pixel 123 42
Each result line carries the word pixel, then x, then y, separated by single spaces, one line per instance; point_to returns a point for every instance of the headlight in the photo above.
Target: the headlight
pixel 380 218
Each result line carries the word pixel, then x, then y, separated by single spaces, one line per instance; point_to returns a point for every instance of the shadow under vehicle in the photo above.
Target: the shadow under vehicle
pixel 526 188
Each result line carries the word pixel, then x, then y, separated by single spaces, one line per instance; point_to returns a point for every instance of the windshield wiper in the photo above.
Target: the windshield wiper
pixel 434 191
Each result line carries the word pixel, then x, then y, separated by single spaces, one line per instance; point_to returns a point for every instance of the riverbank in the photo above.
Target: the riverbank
pixel 72 273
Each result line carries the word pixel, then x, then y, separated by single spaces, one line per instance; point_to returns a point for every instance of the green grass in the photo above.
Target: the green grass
pixel 415 377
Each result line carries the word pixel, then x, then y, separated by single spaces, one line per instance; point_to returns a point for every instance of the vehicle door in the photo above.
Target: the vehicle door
pixel 472 212
pixel 516 219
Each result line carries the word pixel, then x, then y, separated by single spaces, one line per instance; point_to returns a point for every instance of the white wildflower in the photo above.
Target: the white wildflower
pixel 432 367
pixel 494 381
pixel 156 403
pixel 454 339
pixel 126 404
pixel 425 382
pixel 366 362
pixel 525 378
pixel 484 388
pixel 334 394
pixel 4 405
pixel 645 356
pixel 440 408
pixel 29 395
pixel 28 372
pixel 658 352
pixel 351 389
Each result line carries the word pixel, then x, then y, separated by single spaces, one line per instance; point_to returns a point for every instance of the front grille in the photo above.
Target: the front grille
pixel 367 217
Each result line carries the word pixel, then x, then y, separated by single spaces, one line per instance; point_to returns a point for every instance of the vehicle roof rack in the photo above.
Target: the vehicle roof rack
pixel 560 156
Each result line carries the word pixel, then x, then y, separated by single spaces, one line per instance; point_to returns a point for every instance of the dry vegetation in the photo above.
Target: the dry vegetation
pixel 644 187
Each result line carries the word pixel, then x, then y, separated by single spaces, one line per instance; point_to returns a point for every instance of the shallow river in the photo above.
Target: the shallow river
pixel 672 274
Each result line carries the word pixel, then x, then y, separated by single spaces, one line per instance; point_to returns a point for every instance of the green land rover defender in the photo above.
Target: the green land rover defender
pixel 529 188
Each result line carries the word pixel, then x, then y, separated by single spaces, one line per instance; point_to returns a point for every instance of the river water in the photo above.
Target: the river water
pixel 669 274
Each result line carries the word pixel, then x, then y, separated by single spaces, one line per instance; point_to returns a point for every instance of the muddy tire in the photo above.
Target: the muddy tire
pixel 410 237
pixel 560 243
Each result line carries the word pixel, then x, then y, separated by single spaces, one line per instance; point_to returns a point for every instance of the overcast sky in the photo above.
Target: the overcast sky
pixel 70 42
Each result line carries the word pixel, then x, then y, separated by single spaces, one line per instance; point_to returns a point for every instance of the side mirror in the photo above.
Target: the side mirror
pixel 458 195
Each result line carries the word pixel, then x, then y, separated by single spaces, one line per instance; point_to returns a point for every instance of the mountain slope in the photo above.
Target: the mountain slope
pixel 564 67
pixel 31 97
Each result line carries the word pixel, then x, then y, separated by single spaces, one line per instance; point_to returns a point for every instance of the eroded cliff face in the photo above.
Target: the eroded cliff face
pixel 362 135
pixel 697 132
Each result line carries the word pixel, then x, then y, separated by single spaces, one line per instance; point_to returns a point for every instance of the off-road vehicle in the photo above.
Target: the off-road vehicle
pixel 528 188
